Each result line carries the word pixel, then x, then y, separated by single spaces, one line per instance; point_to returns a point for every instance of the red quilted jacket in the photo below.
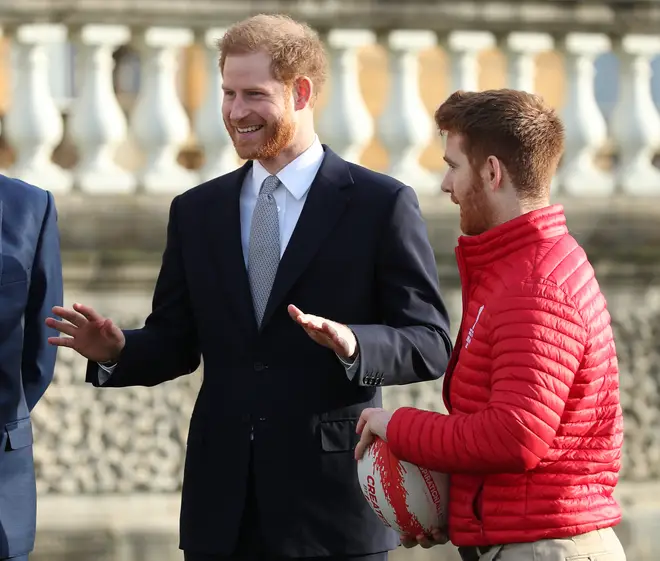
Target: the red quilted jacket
pixel 533 438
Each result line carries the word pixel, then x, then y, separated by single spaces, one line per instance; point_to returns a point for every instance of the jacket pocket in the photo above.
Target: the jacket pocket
pixel 339 436
pixel 19 434
pixel 11 271
pixel 478 503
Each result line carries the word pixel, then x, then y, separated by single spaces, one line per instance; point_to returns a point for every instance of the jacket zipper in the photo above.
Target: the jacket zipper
pixel 453 360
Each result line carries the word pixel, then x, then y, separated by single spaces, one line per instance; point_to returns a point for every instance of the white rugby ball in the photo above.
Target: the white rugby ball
pixel 410 499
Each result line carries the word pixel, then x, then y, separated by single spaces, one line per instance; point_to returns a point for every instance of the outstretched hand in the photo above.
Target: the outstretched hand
pixel 335 336
pixel 90 334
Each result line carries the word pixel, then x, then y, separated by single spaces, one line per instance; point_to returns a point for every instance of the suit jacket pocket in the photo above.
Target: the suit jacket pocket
pixel 339 436
pixel 11 270
pixel 19 434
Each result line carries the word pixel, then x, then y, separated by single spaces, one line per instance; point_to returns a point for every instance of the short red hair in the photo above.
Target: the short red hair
pixel 294 47
pixel 515 126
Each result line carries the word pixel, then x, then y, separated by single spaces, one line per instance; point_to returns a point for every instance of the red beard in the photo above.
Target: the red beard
pixel 476 214
pixel 275 137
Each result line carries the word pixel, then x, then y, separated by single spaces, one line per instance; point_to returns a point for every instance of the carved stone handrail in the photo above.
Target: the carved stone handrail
pixel 555 16
pixel 620 234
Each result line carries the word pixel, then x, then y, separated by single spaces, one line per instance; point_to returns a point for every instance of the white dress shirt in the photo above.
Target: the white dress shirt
pixel 295 180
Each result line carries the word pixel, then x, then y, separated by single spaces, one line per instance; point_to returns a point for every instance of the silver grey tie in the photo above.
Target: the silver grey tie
pixel 264 250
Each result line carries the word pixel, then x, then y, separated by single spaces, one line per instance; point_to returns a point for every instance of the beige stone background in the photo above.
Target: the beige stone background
pixel 435 82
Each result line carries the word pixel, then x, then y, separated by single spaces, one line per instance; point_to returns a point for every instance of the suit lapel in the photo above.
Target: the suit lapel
pixel 326 201
pixel 224 224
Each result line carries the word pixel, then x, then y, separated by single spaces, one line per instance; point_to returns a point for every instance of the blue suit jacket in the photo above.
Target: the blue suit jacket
pixel 30 285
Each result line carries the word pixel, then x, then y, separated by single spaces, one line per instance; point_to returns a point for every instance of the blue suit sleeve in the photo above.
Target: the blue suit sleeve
pixel 46 291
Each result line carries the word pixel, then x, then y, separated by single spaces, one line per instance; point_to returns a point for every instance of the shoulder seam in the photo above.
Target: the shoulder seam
pixel 568 297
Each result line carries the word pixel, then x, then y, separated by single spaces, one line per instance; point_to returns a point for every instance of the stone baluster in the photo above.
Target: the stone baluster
pixel 98 124
pixel 219 152
pixel 464 48
pixel 521 49
pixel 346 124
pixel 159 122
pixel 586 131
pixel 34 124
pixel 405 125
pixel 635 121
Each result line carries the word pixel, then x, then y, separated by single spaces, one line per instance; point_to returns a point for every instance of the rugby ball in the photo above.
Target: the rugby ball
pixel 410 499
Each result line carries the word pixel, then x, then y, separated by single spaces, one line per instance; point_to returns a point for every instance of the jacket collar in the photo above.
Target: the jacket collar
pixel 502 240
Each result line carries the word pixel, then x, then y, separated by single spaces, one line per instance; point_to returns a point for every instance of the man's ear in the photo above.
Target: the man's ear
pixel 302 92
pixel 493 173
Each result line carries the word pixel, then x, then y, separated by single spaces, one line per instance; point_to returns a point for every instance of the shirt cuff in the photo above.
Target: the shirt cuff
pixel 352 367
pixel 105 371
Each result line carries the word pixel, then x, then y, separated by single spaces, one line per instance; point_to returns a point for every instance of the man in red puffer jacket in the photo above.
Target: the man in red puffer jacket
pixel 534 432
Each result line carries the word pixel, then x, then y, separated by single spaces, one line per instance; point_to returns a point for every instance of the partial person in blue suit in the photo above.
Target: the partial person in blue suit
pixel 30 285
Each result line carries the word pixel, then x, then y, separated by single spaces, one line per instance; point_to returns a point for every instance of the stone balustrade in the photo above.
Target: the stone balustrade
pixel 115 106
pixel 136 146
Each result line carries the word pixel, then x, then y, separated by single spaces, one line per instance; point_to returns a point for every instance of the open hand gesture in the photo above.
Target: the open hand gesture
pixel 96 338
pixel 335 336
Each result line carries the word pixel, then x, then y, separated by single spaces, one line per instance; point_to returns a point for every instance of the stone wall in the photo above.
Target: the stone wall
pixel 109 463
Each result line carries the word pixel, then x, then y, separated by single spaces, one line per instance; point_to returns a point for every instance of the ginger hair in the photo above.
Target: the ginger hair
pixel 294 47
pixel 516 127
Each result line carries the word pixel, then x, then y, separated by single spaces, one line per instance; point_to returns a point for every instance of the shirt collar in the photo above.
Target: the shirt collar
pixel 298 175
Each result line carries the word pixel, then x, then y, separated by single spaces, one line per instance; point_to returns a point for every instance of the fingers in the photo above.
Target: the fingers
pixel 61 326
pixel 425 541
pixel 362 421
pixel 87 311
pixel 107 329
pixel 366 438
pixel 331 331
pixel 61 341
pixel 294 312
pixel 70 315
pixel 312 322
pixel 306 320
pixel 408 541
pixel 320 330
pixel 439 536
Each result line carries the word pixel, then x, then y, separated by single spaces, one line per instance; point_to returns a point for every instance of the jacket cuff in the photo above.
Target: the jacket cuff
pixel 398 431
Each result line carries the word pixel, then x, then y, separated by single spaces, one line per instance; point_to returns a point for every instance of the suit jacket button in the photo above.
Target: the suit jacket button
pixel 259 366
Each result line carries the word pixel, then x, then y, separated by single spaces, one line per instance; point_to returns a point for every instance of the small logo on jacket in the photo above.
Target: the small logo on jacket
pixel 470 334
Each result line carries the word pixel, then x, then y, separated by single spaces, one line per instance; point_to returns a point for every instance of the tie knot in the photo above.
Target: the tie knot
pixel 269 185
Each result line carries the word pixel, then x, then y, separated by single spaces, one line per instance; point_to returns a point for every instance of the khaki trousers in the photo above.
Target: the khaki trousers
pixel 599 545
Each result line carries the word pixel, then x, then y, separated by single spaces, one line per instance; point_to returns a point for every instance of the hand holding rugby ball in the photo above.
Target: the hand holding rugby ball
pixel 410 499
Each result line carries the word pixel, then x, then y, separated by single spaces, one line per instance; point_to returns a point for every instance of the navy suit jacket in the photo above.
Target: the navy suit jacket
pixel 30 285
pixel 359 255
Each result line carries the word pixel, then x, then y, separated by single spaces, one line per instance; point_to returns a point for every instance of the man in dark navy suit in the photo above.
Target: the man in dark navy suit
pixel 255 261
pixel 30 285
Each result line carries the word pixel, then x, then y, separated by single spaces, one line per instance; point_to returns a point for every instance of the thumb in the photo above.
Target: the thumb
pixel 108 329
pixel 294 311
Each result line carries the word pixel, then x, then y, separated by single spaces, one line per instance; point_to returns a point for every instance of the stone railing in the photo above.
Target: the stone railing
pixel 116 107
pixel 152 126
